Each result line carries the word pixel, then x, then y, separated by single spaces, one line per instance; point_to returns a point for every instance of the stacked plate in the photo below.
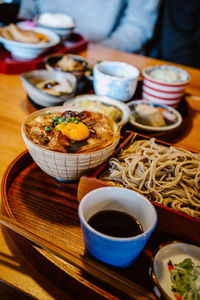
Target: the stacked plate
pixel 164 84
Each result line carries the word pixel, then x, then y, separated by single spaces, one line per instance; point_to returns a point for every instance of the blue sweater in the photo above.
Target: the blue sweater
pixel 121 24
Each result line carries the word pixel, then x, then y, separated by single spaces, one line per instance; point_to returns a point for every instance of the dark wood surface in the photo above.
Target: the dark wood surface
pixel 9 292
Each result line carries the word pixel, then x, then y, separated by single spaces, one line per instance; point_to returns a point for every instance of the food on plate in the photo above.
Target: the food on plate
pixel 56 20
pixel 167 175
pixel 66 63
pixel 150 115
pixel 185 279
pixel 71 131
pixel 12 32
pixel 168 74
pixel 109 110
pixel 55 88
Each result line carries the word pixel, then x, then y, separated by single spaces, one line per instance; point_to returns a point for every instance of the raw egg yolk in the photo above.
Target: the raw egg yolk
pixel 76 132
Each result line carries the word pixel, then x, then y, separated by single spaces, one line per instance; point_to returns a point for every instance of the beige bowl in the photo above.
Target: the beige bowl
pixel 66 166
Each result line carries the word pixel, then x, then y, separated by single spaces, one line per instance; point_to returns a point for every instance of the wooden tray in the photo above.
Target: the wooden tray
pixel 9 65
pixel 44 211
pixel 169 220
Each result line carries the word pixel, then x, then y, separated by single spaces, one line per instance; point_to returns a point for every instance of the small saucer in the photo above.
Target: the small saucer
pixel 148 128
pixel 175 252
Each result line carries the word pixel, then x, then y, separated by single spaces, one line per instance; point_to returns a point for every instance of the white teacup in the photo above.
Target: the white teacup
pixel 115 79
pixel 116 251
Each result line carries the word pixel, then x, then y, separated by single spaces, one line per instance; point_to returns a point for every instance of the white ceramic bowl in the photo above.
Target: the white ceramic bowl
pixel 51 60
pixel 66 166
pixel 39 96
pixel 29 51
pixel 115 79
pixel 54 23
pixel 164 91
pixel 115 251
pixel 122 107
pixel 175 252
pixel 171 110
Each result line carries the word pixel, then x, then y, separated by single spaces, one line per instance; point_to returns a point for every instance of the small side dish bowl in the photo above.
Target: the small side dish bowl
pixel 118 111
pixel 68 165
pixel 71 63
pixel 31 80
pixel 30 51
pixel 117 250
pixel 61 24
pixel 149 116
pixel 115 79
pixel 165 259
pixel 164 84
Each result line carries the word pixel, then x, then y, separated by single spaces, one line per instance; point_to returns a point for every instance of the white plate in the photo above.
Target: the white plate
pixel 104 100
pixel 172 110
pixel 176 252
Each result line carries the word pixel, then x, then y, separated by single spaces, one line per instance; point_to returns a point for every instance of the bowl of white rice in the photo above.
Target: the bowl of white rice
pixel 61 24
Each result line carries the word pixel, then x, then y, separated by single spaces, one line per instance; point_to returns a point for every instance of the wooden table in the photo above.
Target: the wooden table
pixel 14 267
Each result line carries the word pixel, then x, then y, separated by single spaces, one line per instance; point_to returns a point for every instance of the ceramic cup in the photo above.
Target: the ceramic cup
pixel 115 79
pixel 120 252
pixel 163 91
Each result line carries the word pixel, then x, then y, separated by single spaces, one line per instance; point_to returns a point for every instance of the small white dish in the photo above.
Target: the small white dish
pixel 169 109
pixel 42 98
pixel 175 252
pixel 115 79
pixel 124 109
pixel 29 51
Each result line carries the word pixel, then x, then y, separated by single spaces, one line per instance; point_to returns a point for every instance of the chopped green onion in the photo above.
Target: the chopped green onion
pixel 185 277
pixel 55 118
pixel 66 121
pixel 47 128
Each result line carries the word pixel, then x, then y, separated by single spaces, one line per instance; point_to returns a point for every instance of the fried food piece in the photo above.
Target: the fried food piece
pixel 26 36
pixel 6 34
pixel 68 64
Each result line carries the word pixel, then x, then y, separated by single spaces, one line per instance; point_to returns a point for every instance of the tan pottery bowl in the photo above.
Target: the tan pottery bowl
pixel 66 166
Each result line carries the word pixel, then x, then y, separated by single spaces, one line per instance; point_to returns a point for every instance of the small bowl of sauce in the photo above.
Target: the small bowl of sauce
pixel 116 224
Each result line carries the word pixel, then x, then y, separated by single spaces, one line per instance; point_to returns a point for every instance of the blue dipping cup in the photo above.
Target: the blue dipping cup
pixel 119 252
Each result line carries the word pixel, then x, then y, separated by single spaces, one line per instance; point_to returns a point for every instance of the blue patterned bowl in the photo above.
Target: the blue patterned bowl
pixel 115 79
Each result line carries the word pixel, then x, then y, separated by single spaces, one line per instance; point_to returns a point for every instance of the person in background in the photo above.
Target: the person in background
pixel 177 34
pixel 125 25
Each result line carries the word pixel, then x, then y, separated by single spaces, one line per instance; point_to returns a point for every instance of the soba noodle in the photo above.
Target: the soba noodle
pixel 169 176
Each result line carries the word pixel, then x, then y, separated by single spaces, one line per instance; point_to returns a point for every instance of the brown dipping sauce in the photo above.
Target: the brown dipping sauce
pixel 116 224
